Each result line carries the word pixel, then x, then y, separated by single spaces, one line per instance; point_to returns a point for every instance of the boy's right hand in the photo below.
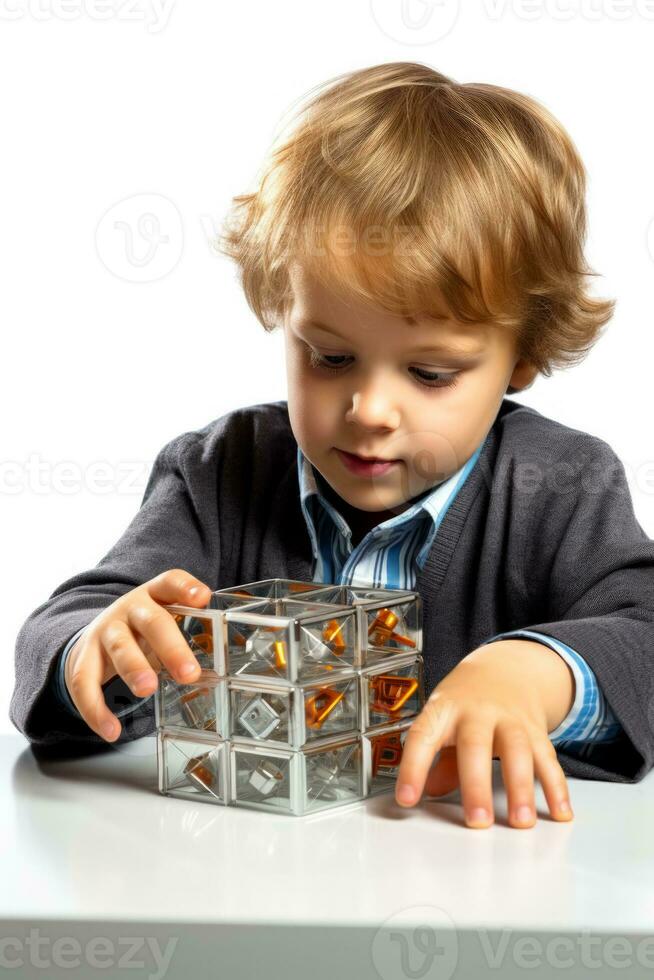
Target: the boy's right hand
pixel 133 638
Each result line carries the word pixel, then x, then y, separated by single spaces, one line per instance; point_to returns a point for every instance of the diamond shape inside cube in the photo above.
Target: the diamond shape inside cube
pixel 259 718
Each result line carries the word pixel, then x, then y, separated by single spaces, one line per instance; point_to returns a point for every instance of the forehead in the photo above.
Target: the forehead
pixel 326 310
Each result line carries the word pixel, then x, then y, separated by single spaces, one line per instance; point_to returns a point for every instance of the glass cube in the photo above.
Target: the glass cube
pixel 305 699
pixel 382 752
pixel 260 714
pixel 262 778
pixel 202 630
pixel 328 709
pixel 390 620
pixel 392 690
pixel 288 640
pixel 333 775
pixel 297 714
pixel 271 588
pixel 200 706
pixel 195 769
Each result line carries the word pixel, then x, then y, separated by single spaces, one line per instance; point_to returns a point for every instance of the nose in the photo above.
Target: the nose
pixel 373 408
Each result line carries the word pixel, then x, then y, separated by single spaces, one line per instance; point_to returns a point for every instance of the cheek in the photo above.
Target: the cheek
pixel 312 405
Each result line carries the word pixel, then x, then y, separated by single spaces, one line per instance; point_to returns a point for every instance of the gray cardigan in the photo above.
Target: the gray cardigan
pixel 542 535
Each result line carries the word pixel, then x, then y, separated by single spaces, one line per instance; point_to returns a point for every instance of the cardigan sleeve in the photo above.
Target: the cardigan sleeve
pixel 176 526
pixel 589 566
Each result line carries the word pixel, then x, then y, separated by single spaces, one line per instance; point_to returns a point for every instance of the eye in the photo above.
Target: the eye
pixel 328 362
pixel 333 363
pixel 435 379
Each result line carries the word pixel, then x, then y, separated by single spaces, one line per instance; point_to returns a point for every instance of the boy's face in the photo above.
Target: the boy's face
pixel 379 400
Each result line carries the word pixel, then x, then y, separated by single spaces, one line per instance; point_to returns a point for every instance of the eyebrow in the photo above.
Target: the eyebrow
pixel 431 348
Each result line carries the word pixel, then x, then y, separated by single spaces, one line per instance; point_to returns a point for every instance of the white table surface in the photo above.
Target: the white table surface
pixel 89 847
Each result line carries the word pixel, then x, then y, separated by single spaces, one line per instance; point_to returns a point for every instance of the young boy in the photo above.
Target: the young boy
pixel 420 243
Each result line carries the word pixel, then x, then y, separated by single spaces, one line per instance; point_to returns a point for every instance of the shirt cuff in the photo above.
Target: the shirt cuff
pixel 59 682
pixel 590 718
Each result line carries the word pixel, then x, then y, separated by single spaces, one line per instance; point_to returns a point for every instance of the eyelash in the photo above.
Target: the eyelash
pixel 317 361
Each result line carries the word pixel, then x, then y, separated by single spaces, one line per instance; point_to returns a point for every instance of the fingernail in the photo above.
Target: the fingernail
pixel 478 815
pixel 108 729
pixel 406 793
pixel 523 814
pixel 564 806
pixel 194 590
pixel 186 670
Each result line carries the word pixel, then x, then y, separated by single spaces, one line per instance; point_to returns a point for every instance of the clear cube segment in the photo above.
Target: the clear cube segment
pixel 203 628
pixel 288 640
pixel 200 706
pixel 382 755
pixel 390 620
pixel 271 588
pixel 294 716
pixel 297 782
pixel 193 768
pixel 306 695
pixel 332 775
pixel 392 690
pixel 260 714
pixel 263 778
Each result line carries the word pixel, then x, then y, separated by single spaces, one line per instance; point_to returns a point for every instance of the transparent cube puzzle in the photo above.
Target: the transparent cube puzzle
pixel 306 693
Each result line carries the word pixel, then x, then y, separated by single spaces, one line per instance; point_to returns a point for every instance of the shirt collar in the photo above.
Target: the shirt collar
pixel 432 504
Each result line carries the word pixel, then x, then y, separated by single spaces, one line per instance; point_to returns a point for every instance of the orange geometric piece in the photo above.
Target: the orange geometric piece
pixel 332 632
pixel 320 705
pixel 199 772
pixel 391 692
pixel 204 641
pixel 380 630
pixel 386 751
pixel 385 619
pixel 280 653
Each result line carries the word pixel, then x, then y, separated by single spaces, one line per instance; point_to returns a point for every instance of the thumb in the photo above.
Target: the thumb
pixel 178 586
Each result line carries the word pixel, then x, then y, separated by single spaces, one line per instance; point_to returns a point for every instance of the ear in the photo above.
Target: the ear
pixel 524 374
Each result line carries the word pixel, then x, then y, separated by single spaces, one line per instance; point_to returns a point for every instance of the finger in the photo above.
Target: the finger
pixel 474 758
pixel 443 777
pixel 151 657
pixel 552 778
pixel 149 653
pixel 432 728
pixel 516 758
pixel 83 676
pixel 156 625
pixel 129 661
pixel 177 585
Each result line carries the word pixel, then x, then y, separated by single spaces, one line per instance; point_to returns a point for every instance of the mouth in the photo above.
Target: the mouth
pixel 365 465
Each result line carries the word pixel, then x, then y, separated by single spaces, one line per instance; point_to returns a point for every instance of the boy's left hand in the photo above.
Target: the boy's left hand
pixel 500 700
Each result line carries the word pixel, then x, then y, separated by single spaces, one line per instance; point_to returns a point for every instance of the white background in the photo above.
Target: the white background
pixel 106 101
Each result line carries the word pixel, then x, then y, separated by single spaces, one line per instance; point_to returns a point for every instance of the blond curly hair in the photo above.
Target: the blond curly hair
pixel 425 197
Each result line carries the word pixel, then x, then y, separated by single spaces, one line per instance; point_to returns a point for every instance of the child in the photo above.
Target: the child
pixel 420 244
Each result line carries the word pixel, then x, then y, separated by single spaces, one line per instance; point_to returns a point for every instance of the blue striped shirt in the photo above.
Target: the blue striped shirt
pixel 389 556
